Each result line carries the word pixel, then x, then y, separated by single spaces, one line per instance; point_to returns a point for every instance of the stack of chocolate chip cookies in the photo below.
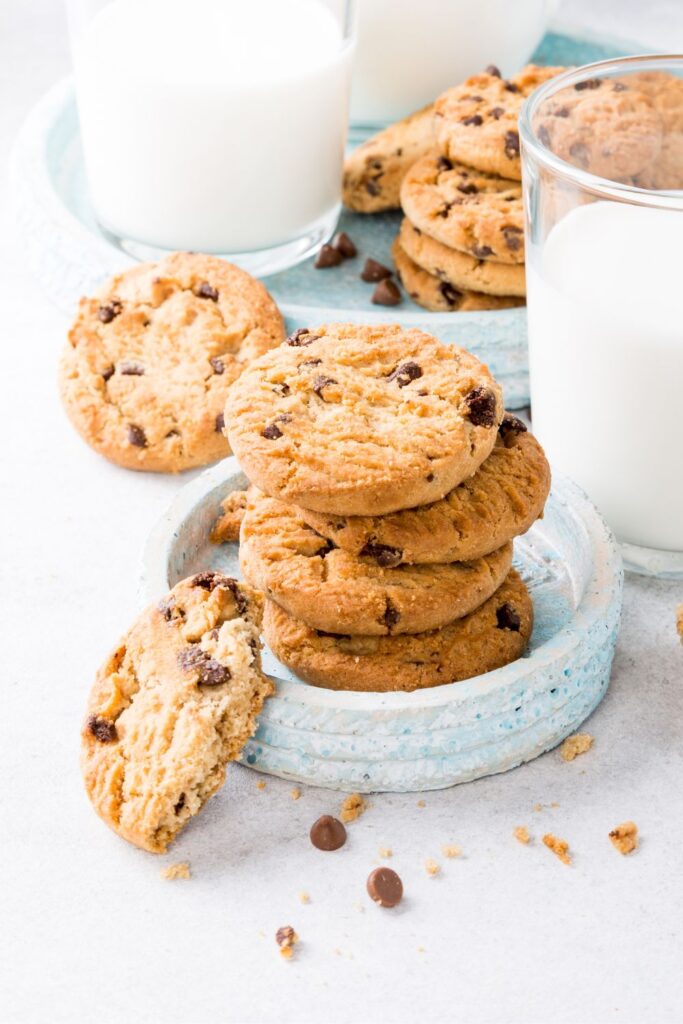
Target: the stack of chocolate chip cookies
pixel 458 181
pixel 387 485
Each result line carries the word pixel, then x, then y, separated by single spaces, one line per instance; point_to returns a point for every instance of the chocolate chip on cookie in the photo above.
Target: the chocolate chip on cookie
pixel 102 729
pixel 405 373
pixel 482 407
pixel 508 618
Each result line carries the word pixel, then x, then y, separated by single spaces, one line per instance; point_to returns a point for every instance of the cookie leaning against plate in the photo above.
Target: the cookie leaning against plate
pixel 459 269
pixel 177 700
pixel 477 213
pixel 476 122
pixel 331 589
pixel 493 635
pixel 362 420
pixel 501 501
pixel 149 360
pixel 374 171
pixel 440 296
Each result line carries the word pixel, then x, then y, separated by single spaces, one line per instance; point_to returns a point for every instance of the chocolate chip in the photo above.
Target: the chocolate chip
pixel 508 618
pixel 102 729
pixel 217 364
pixel 137 436
pixel 386 293
pixel 580 153
pixel 371 187
pixel 474 119
pixel 493 70
pixel 281 389
pixel 563 111
pixel 391 615
pixel 205 291
pixel 429 477
pixel 240 600
pixel 210 671
pixel 513 238
pixel 107 313
pixel 512 423
pixel 497 113
pixel 444 164
pixel 511 87
pixel 374 271
pixel 180 804
pixel 321 382
pixel 301 336
pixel 544 136
pixel 468 188
pixel 511 144
pixel 327 257
pixel 309 362
pixel 450 294
pixel 285 936
pixel 588 83
pixel 482 407
pixel 445 209
pixel 207 580
pixel 344 245
pixel 482 251
pixel 385 887
pixel 106 374
pixel 220 423
pixel 332 636
pixel 167 607
pixel 405 373
pixel 327 833
pixel 385 556
pixel 620 87
pixel 129 369
pixel 272 432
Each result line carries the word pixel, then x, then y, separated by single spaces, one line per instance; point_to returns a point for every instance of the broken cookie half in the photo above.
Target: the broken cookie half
pixel 175 702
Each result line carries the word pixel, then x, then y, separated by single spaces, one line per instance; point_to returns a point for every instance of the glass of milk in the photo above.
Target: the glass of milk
pixel 214 125
pixel 604 207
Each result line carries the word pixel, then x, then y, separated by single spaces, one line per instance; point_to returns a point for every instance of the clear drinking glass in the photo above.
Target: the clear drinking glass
pixel 214 125
pixel 602 154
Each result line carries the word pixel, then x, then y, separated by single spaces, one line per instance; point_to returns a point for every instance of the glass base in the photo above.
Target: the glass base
pixel 259 262
pixel 662 565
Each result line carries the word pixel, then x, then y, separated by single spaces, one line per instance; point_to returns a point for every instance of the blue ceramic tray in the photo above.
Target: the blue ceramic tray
pixel 71 256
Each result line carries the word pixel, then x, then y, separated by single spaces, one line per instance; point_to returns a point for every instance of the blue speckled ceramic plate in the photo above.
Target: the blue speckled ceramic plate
pixel 448 734
pixel 71 256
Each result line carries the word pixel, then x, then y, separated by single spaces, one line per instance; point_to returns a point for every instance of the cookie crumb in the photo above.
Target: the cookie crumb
pixel 421 949
pixel 421 803
pixel 574 745
pixel 451 851
pixel 260 784
pixel 295 793
pixel 352 807
pixel 555 803
pixel 431 867
pixel 521 834
pixel 624 837
pixel 304 897
pixel 679 621
pixel 560 847
pixel 173 871
pixel 385 851
pixel 538 807
pixel 286 939
pixel 227 526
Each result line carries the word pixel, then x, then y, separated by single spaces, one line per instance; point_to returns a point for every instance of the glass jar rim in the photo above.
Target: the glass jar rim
pixel 602 187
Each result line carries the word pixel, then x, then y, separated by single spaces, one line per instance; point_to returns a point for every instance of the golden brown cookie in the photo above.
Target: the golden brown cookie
pixel 226 529
pixel 333 590
pixel 493 635
pixel 177 699
pixel 665 92
pixel 459 269
pixel 362 420
pixel 476 123
pixel 477 213
pixel 374 171
pixel 439 296
pixel 501 501
pixel 150 358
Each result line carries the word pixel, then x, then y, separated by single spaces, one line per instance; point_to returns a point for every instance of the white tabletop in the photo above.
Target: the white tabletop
pixel 88 929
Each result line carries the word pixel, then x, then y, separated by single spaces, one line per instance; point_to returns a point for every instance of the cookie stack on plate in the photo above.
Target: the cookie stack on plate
pixel 458 181
pixel 388 484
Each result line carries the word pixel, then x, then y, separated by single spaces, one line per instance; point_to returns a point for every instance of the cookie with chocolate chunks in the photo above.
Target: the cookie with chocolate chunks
pixel 173 704
pixel 150 358
pixel 390 429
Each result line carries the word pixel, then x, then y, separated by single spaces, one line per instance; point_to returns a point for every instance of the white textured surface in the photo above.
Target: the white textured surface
pixel 88 929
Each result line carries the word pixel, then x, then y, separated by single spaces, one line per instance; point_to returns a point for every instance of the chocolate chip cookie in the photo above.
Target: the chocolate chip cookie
pixel 149 360
pixel 440 296
pixel 333 590
pixel 477 213
pixel 177 699
pixel 374 171
pixel 362 420
pixel 459 269
pixel 665 93
pixel 501 501
pixel 493 635
pixel 476 123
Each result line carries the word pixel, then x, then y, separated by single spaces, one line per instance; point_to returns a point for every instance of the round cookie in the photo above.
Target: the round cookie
pixel 362 420
pixel 177 699
pixel 477 213
pixel 501 501
pixel 602 126
pixel 331 589
pixel 373 172
pixel 464 272
pixel 439 296
pixel 476 123
pixel 149 360
pixel 665 92
pixel 493 635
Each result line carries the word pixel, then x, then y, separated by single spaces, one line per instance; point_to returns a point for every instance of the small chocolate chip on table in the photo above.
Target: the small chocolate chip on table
pixel 327 257
pixel 327 833
pixel 386 293
pixel 374 271
pixel 344 245
pixel 385 887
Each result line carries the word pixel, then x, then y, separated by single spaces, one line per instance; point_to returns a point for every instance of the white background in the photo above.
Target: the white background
pixel 90 932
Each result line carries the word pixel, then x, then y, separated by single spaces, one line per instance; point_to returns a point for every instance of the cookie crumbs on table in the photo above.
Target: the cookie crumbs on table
pixel 227 526
pixel 624 837
pixel 260 784
pixel 451 851
pixel 574 745
pixel 521 834
pixel 286 939
pixel 385 851
pixel 560 847
pixel 295 793
pixel 175 871
pixel 304 897
pixel 352 807
pixel 679 621
pixel 432 868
